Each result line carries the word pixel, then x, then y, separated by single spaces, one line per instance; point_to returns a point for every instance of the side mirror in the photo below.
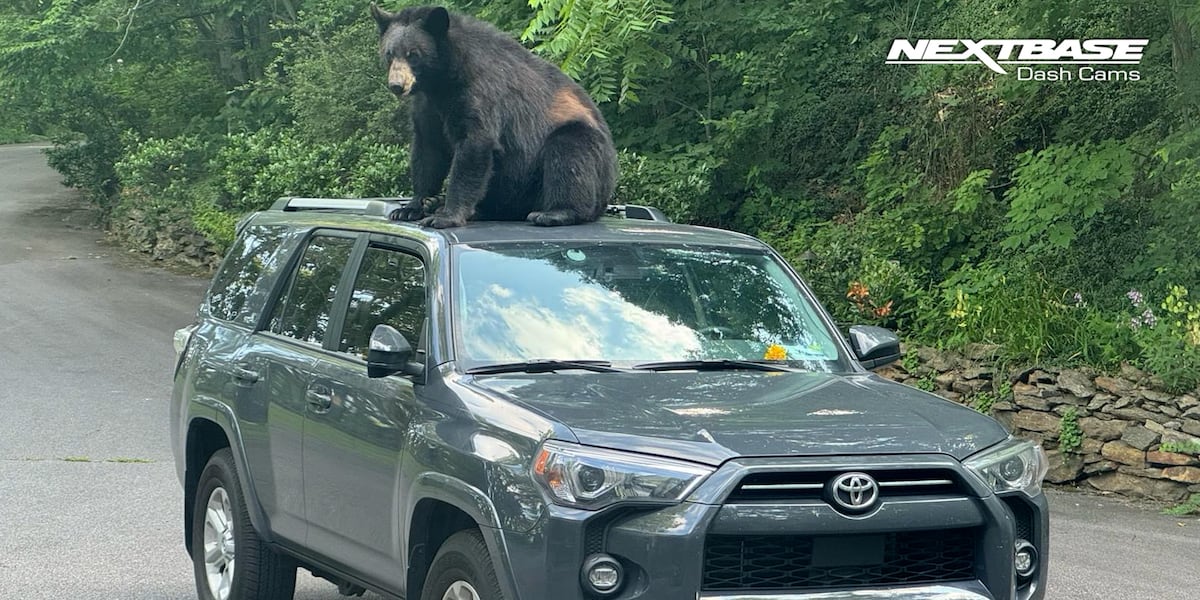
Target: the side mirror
pixel 389 353
pixel 874 346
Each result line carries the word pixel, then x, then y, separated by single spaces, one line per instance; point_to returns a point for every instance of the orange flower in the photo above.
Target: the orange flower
pixel 884 310
pixel 775 352
pixel 857 291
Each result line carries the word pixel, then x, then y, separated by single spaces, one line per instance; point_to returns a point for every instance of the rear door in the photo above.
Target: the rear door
pixel 281 359
pixel 233 362
pixel 353 444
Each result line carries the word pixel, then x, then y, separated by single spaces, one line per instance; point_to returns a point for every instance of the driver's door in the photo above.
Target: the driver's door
pixel 353 444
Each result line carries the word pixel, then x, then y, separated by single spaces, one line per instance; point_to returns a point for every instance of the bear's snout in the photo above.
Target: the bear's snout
pixel 400 78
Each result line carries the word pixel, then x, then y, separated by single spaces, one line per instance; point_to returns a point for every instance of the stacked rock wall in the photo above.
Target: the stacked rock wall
pixel 1102 431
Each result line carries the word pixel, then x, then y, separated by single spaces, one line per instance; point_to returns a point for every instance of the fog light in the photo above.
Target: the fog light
pixel 602 574
pixel 1025 559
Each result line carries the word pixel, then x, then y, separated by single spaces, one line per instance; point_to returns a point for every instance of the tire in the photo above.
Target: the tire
pixel 258 572
pixel 462 567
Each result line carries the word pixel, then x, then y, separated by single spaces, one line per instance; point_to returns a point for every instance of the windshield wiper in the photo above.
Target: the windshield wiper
pixel 718 364
pixel 546 365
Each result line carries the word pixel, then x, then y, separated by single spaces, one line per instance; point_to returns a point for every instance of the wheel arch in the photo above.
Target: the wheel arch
pixel 443 506
pixel 206 434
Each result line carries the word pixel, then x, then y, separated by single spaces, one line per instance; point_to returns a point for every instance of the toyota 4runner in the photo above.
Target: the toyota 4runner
pixel 628 409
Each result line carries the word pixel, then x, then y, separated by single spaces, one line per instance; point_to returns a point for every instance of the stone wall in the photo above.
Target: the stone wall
pixel 168 237
pixel 1122 418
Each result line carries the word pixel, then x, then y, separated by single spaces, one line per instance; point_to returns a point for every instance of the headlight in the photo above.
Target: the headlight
pixel 592 478
pixel 1015 465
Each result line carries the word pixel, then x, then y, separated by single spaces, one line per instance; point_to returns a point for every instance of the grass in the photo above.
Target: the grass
pixel 1184 447
pixel 1190 507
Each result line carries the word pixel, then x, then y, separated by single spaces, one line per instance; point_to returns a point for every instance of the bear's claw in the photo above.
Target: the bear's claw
pixel 441 222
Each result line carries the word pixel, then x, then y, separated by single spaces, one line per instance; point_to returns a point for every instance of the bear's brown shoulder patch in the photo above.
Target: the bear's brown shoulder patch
pixel 567 107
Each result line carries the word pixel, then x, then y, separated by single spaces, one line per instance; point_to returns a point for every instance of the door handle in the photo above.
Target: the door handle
pixel 243 374
pixel 319 398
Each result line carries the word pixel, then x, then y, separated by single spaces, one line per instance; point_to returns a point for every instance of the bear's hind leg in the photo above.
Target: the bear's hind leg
pixel 579 171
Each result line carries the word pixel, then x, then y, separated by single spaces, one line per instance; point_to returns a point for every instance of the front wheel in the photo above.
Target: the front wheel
pixel 230 561
pixel 462 570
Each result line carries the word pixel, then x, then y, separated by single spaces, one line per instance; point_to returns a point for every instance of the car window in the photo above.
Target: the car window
pixel 389 289
pixel 240 289
pixel 303 311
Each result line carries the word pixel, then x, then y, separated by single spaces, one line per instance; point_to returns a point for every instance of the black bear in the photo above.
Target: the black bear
pixel 510 135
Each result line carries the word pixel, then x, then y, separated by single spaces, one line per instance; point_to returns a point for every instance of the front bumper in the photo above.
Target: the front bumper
pixel 963 591
pixel 663 549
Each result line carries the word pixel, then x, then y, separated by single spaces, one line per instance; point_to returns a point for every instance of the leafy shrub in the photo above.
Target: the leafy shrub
pixel 677 184
pixel 257 168
pixel 1032 319
pixel 1169 340
pixel 219 180
pixel 1059 189
pixel 88 164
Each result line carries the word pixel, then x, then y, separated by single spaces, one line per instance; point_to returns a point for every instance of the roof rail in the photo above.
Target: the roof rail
pixel 636 211
pixel 371 207
pixel 388 207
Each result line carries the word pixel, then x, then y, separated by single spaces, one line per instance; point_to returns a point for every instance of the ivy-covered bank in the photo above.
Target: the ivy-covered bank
pixel 1112 432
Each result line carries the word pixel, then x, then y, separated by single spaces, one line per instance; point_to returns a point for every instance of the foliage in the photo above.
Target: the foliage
pixel 1190 507
pixel 606 43
pixel 1169 340
pixel 1070 435
pixel 1182 447
pixel 911 360
pixel 926 383
pixel 1032 319
pixel 1059 190
pixel 983 402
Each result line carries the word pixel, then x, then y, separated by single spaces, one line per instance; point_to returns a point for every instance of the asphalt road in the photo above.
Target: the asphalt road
pixel 89 504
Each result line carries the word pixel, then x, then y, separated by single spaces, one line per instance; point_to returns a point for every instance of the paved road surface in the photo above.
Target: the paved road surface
pixel 89 503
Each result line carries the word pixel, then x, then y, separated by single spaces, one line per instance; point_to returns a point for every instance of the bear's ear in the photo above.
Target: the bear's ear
pixel 383 18
pixel 437 22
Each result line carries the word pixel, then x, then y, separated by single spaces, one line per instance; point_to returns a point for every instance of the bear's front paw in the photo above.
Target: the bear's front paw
pixel 411 212
pixel 442 222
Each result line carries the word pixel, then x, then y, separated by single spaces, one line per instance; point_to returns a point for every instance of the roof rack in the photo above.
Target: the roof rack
pixel 387 208
pixel 636 211
pixel 371 207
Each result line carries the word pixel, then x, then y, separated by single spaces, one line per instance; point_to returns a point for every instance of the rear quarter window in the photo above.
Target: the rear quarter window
pixel 240 288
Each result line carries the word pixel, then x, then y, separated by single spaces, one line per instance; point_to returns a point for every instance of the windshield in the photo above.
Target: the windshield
pixel 631 304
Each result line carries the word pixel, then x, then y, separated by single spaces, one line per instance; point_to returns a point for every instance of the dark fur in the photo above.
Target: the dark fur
pixel 509 134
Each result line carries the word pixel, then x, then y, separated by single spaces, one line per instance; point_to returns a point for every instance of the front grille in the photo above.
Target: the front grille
pixel 790 486
pixel 798 562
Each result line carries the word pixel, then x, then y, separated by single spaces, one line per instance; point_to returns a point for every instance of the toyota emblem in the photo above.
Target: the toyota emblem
pixel 854 492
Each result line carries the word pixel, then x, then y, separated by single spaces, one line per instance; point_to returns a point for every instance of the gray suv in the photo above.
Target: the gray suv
pixel 628 409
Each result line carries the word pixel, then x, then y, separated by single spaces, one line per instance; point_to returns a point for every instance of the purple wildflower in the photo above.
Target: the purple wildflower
pixel 1078 298
pixel 1135 297
pixel 1148 318
pixel 1135 323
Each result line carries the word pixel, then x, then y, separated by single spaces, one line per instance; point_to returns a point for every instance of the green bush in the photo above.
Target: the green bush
pixel 1033 320
pixel 217 181
pixel 1169 339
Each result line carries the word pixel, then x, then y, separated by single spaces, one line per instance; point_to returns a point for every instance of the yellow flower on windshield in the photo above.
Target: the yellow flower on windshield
pixel 775 352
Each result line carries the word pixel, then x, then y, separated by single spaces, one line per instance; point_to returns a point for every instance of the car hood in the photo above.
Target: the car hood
pixel 711 417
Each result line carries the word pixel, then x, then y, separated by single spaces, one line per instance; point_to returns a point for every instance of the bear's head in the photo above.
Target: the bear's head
pixel 412 44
